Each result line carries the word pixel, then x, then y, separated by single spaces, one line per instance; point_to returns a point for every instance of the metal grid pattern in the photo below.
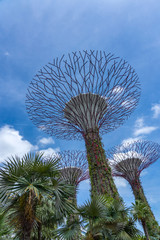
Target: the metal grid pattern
pixel 74 166
pixel 94 72
pixel 129 160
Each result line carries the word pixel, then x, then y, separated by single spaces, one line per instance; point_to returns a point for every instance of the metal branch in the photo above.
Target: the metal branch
pixel 129 160
pixel 74 166
pixel 85 72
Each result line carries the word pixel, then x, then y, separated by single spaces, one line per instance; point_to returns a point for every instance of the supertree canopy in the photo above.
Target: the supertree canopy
pixel 73 167
pixel 128 161
pixel 73 170
pixel 78 97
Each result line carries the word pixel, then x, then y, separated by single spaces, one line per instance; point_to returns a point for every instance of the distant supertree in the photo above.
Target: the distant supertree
pixel 73 167
pixel 73 170
pixel 83 95
pixel 128 161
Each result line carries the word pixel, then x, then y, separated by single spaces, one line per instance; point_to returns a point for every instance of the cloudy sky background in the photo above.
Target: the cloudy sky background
pixel 33 32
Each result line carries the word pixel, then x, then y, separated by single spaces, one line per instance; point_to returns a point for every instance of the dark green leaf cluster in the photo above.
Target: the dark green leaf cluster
pixel 37 205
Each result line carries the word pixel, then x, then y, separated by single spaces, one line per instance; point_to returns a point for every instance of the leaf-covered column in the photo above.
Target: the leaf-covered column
pixel 152 225
pixel 99 169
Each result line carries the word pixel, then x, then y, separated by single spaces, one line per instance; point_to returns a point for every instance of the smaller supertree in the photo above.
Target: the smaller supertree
pixel 73 168
pixel 128 161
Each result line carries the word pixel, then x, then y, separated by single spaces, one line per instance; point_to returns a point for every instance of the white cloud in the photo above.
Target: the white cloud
pixel 127 103
pixel 50 151
pixel 156 110
pixel 144 130
pixel 141 129
pixel 12 143
pixel 118 90
pixel 130 140
pixel 46 141
pixel 120 182
pixel 139 123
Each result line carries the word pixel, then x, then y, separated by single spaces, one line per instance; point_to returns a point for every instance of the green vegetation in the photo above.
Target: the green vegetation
pixel 35 205
pixel 27 185
pixel 99 169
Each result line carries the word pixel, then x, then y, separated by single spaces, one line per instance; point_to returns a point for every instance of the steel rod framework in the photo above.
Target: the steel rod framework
pixel 84 95
pixel 128 161
pixel 74 167
pixel 73 170
pixel 84 72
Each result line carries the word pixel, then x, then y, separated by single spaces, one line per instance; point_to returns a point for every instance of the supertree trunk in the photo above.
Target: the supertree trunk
pixel 99 169
pixel 145 229
pixel 151 223
pixel 27 236
pixel 39 230
pixel 73 201
pixel 73 170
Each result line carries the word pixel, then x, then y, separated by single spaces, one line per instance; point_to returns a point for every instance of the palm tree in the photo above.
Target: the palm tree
pixel 24 182
pixel 48 220
pixel 101 219
pixel 5 232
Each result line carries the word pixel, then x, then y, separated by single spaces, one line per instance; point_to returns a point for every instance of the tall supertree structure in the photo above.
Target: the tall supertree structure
pixel 128 161
pixel 83 96
pixel 73 169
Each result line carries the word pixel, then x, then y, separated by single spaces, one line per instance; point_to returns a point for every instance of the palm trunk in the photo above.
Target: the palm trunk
pixel 99 169
pixel 72 218
pixel 145 229
pixel 27 236
pixel 28 203
pixel 39 230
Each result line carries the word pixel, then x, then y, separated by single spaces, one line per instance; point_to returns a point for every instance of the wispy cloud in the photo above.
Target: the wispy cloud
pixel 130 140
pixel 7 53
pixel 120 182
pixel 141 129
pixel 139 123
pixel 156 110
pixel 50 151
pixel 46 141
pixel 144 130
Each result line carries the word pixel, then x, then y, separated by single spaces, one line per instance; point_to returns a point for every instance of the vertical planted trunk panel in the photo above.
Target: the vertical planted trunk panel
pixel 99 169
pixel 151 223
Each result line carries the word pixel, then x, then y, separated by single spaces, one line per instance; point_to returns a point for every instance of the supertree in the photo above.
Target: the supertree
pixel 82 96
pixel 128 161
pixel 73 169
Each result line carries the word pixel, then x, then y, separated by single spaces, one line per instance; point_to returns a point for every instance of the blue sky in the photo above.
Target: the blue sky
pixel 33 32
